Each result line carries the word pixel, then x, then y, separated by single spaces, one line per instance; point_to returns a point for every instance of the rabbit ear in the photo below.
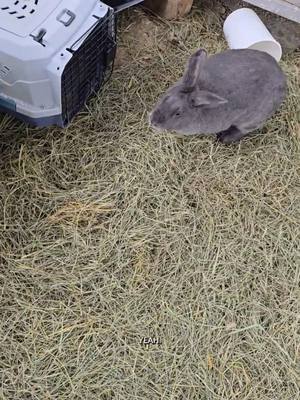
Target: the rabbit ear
pixel 205 98
pixel 193 70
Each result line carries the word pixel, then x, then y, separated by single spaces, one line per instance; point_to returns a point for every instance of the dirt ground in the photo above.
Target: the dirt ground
pixel 111 233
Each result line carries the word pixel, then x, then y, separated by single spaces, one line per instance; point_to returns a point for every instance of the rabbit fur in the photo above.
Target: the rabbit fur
pixel 229 94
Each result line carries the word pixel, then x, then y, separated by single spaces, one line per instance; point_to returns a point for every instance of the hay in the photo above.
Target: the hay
pixel 111 233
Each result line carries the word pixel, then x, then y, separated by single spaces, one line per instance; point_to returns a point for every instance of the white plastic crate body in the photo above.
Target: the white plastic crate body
pixel 31 69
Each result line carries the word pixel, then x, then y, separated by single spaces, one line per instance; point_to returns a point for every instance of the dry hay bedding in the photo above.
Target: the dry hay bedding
pixel 111 233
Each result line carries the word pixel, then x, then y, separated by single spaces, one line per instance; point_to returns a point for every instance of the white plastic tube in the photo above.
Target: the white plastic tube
pixel 244 29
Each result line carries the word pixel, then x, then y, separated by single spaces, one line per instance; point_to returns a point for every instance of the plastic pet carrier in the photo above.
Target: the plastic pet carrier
pixel 54 54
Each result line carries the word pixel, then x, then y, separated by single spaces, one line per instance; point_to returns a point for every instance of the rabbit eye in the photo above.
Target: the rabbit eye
pixel 177 113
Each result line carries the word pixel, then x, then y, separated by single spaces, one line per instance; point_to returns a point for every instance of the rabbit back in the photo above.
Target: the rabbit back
pixel 250 80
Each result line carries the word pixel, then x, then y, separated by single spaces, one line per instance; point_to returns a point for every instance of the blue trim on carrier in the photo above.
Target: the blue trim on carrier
pixel 9 106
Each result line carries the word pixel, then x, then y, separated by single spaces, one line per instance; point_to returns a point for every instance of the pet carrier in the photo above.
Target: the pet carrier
pixel 53 56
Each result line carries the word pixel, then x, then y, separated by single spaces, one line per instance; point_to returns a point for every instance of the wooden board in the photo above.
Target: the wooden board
pixel 289 9
pixel 170 9
pixel 173 9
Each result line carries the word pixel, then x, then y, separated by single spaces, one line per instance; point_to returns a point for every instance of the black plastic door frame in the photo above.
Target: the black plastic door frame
pixel 120 5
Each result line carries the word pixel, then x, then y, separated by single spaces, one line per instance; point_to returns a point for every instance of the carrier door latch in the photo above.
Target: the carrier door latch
pixel 39 37
pixel 66 17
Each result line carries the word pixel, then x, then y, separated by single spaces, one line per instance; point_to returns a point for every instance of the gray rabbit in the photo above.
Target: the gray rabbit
pixel 229 94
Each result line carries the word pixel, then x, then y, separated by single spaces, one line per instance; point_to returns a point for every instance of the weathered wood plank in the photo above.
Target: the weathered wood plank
pixel 281 7
pixel 170 9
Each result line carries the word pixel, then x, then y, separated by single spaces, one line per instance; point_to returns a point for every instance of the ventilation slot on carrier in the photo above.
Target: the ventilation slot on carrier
pixel 4 70
pixel 20 8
